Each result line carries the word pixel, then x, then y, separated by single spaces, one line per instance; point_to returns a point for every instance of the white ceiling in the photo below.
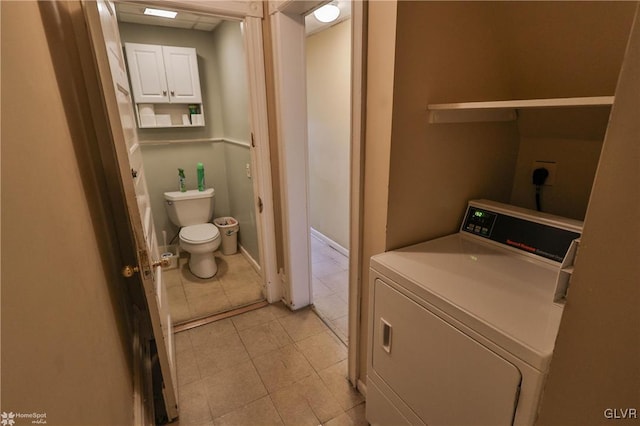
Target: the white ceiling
pixel 134 13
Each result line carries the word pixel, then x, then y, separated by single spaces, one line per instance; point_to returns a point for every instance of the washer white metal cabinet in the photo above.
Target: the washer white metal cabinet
pixel 462 328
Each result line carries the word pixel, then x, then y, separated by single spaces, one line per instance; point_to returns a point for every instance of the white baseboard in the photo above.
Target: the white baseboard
pixel 337 247
pixel 251 260
pixel 362 387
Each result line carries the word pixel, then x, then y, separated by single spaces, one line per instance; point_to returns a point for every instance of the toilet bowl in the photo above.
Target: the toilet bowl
pixel 191 211
pixel 200 241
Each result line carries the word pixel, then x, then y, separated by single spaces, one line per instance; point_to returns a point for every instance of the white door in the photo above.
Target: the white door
pixel 181 69
pixel 105 38
pixel 146 65
pixel 443 375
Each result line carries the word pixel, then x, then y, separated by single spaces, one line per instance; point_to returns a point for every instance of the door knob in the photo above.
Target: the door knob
pixel 129 270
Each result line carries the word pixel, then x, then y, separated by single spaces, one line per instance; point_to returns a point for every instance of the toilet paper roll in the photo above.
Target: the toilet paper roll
pixel 146 109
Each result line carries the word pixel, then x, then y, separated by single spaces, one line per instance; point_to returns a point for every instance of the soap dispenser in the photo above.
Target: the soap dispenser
pixel 200 172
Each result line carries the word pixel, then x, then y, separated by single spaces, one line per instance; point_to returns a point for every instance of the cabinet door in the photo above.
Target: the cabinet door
pixel 446 377
pixel 183 80
pixel 147 72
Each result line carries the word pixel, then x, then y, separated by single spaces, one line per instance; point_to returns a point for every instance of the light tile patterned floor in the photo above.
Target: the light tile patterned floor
pixel 270 366
pixel 330 284
pixel 235 284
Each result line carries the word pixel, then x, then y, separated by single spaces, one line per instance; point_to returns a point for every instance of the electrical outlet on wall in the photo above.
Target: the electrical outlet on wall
pixel 248 169
pixel 551 166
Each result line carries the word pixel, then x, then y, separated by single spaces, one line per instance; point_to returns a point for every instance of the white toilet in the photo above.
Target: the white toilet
pixel 192 210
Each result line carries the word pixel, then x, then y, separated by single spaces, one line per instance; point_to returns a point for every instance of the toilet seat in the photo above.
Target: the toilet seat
pixel 199 234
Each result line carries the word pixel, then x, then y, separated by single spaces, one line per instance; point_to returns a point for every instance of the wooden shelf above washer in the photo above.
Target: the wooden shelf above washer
pixel 504 110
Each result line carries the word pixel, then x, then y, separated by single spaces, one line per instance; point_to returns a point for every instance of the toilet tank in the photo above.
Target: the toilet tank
pixel 191 207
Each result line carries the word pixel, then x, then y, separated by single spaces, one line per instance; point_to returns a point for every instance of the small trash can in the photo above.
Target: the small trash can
pixel 171 253
pixel 229 228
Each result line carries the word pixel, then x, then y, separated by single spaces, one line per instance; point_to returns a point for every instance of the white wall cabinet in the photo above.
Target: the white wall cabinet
pixel 166 85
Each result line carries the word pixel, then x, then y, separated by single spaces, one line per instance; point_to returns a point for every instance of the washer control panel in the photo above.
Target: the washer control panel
pixel 533 232
pixel 479 221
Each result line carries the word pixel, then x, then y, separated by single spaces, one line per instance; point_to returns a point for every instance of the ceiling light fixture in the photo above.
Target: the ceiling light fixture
pixel 327 13
pixel 161 13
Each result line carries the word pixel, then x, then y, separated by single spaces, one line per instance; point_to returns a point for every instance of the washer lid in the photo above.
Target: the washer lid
pixel 201 233
pixel 505 296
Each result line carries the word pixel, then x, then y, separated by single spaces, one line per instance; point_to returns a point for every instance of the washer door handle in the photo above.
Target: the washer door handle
pixel 386 330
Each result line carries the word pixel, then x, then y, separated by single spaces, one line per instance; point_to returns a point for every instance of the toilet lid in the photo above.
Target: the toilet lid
pixel 201 233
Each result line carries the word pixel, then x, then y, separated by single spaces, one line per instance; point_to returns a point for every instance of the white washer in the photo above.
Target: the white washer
pixel 462 328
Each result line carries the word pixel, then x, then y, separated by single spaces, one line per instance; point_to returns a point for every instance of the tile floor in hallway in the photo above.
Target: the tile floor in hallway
pixel 330 284
pixel 235 284
pixel 270 366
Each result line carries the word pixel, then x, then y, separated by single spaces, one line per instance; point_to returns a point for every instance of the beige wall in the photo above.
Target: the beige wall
pixel 161 163
pixel 64 349
pixel 473 51
pixel 570 137
pixel 595 365
pixel 446 52
pixel 380 58
pixel 469 51
pixel 231 67
pixel 329 128
pixel 569 195
pixel 563 48
pixel 551 51
pixel 241 198
pixel 234 93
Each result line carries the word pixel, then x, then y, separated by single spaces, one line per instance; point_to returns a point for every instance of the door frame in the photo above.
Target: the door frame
pixel 250 14
pixel 288 38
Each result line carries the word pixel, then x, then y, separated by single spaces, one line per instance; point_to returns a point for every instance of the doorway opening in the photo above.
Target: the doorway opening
pixel 288 37
pixel 221 141
pixel 328 80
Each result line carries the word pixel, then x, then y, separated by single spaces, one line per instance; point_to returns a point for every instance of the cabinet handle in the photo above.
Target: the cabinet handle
pixel 164 93
pixel 386 335
pixel 173 93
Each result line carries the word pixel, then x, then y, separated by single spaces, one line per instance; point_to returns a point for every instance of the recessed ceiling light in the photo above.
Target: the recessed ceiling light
pixel 327 13
pixel 159 12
